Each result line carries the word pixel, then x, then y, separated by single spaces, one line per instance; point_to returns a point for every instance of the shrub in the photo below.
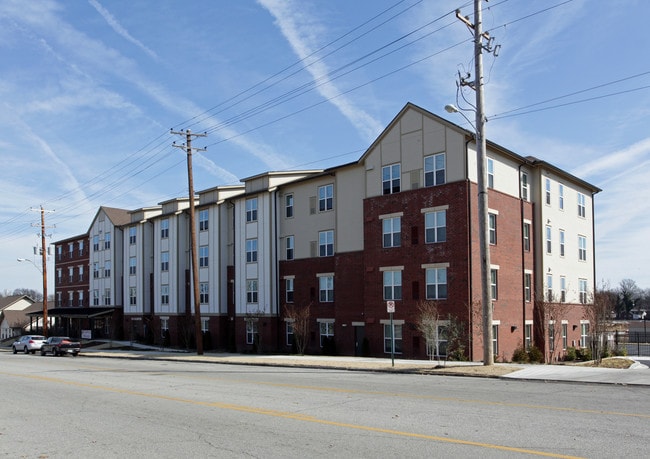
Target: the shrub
pixel 571 354
pixel 520 355
pixel 584 354
pixel 535 355
pixel 620 352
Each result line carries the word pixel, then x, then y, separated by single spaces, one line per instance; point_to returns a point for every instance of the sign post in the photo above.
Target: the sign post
pixel 390 307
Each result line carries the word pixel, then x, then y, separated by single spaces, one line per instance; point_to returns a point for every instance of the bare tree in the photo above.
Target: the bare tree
pixel 549 311
pixel 428 323
pixel 299 318
pixel 628 294
pixel 599 314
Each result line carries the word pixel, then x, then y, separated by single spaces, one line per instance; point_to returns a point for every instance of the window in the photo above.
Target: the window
pixel 390 179
pixel 525 187
pixel 581 205
pixel 59 252
pixel 562 242
pixel 326 332
pixel 164 325
pixel 437 347
pixel 582 248
pixel 107 241
pixel 58 299
pixel 204 293
pixel 251 332
pixel 490 173
pixel 203 256
pixel 107 297
pixel 326 243
pixel 251 291
pixel 59 275
pixel 290 242
pixel 582 287
pixel 164 228
pixel 565 339
pixel 562 289
pixel 551 336
pixel 494 285
pixel 204 216
pixel 164 261
pixel 251 210
pixel 81 273
pixel 549 246
pixel 495 339
pixel 547 188
pixel 70 249
pixel 584 334
pixel 251 250
pixel 133 231
pixel 133 299
pixel 492 228
pixel 527 237
pixel 132 266
pixel 80 298
pixel 434 170
pixel 95 270
pixel 549 287
pixel 435 226
pixel 326 289
pixel 70 298
pixel 107 269
pixel 95 243
pixel 325 198
pixel 528 335
pixel 436 280
pixel 392 285
pixel 289 334
pixel 95 297
pixel 392 232
pixel 205 325
pixel 288 282
pixel 560 193
pixel 164 294
pixel 288 206
pixel 70 274
pixel 528 285
pixel 393 339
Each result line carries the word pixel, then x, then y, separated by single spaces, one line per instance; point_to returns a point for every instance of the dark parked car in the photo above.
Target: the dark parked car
pixel 60 345
pixel 28 343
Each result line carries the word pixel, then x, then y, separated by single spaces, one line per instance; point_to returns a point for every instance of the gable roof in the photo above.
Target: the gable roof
pixel 7 301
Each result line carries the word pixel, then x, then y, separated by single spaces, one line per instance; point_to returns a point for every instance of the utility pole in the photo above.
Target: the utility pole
pixel 44 270
pixel 193 248
pixel 482 41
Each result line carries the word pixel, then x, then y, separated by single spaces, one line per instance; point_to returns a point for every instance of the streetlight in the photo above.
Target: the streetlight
pixel 40 270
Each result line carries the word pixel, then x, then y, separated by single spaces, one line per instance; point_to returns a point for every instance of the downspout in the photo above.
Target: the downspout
pixel 593 239
pixel 276 261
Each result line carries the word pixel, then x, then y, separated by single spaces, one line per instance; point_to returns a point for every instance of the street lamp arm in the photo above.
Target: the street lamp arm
pixel 30 261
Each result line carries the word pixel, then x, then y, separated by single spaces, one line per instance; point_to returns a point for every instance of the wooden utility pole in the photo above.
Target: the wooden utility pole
pixel 482 42
pixel 44 268
pixel 193 248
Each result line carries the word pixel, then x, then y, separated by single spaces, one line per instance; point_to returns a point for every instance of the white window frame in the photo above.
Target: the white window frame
pixel 391 177
pixel 435 226
pixel 397 337
pixel 392 284
pixel 204 219
pixel 251 210
pixel 290 251
pixel 582 248
pixel 326 243
pixel 582 205
pixel 252 292
pixel 434 174
pixel 326 288
pixel 204 256
pixel 436 283
pixel 251 250
pixel 391 232
pixel 325 198
pixel 164 228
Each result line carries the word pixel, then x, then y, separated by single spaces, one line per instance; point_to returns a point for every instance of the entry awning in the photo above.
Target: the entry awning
pixel 76 313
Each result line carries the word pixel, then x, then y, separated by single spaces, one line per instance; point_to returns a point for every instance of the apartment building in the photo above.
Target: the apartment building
pixel 397 227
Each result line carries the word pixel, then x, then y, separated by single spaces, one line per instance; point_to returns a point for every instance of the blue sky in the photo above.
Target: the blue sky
pixel 90 89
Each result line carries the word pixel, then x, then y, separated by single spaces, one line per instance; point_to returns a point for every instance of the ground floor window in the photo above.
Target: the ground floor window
pixel 495 339
pixel 289 334
pixel 396 336
pixel 437 346
pixel 584 334
pixel 326 332
pixel 528 337
pixel 251 331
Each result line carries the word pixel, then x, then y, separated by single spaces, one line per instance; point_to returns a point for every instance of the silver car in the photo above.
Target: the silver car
pixel 28 343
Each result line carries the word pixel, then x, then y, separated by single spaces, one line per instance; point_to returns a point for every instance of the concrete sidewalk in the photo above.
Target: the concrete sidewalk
pixel 637 374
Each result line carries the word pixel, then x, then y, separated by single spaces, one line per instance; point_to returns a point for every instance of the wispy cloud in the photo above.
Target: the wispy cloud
pixel 303 32
pixel 119 29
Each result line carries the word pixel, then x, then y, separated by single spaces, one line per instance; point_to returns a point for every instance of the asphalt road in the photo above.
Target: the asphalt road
pixel 92 407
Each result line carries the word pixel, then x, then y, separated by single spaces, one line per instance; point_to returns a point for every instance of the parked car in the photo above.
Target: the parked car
pixel 60 345
pixel 28 343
